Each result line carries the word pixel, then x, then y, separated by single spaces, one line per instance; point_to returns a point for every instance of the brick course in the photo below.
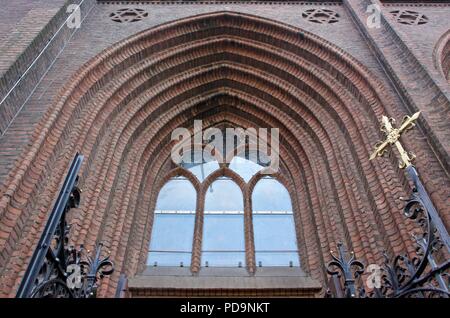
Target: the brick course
pixel 119 106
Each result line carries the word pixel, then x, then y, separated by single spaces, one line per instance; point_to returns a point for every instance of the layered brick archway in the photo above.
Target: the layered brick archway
pixel 120 108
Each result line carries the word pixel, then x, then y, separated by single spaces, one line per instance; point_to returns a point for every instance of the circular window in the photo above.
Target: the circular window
pixel 128 15
pixel 409 17
pixel 322 16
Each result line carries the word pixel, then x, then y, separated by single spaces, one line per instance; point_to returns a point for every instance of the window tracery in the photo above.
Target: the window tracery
pixel 224 242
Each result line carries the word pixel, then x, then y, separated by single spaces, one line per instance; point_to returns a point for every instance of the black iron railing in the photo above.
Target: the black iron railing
pixel 422 276
pixel 57 270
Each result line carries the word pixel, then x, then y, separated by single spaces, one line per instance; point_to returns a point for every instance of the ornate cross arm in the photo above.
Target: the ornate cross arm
pixel 420 275
pixel 419 195
pixel 393 138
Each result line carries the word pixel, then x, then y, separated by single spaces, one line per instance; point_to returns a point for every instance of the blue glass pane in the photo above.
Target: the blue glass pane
pixel 171 241
pixel 274 232
pixel 245 168
pixel 224 195
pixel 202 171
pixel 177 194
pixel 270 195
pixel 172 232
pixel 168 259
pixel 225 259
pixel 277 259
pixel 223 232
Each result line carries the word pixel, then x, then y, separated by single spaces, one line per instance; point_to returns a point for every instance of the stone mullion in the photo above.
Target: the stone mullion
pixel 248 231
pixel 198 230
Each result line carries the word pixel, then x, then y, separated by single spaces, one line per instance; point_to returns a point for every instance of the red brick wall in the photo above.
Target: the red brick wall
pixel 119 106
pixel 28 49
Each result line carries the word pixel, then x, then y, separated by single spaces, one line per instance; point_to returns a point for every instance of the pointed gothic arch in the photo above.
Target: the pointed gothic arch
pixel 120 108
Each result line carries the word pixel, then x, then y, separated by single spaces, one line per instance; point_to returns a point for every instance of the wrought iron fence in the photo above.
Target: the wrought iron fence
pixel 57 270
pixel 422 275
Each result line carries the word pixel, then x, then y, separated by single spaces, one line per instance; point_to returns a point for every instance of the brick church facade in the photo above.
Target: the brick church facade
pixel 116 87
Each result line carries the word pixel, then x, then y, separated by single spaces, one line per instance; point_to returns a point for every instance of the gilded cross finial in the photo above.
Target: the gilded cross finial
pixel 393 138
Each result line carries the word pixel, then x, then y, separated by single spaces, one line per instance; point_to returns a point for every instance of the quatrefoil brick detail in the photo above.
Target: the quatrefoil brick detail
pixel 409 17
pixel 322 16
pixel 127 15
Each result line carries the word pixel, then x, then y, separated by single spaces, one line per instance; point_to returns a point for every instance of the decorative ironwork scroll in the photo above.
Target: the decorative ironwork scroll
pixel 57 270
pixel 346 269
pixel 427 273
pixel 423 275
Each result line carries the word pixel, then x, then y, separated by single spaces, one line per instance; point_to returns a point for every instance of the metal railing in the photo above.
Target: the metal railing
pixel 55 269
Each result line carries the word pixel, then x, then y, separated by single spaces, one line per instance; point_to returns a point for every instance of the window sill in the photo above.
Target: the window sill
pixel 223 282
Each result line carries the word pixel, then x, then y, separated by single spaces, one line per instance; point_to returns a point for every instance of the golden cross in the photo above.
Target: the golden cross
pixel 393 138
